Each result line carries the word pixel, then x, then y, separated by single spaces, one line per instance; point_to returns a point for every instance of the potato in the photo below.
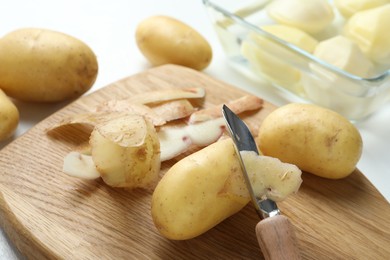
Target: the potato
pixel 126 152
pixel 344 54
pixel 316 139
pixel 45 66
pixel 368 29
pixel 206 187
pixel 269 65
pixel 9 117
pixel 269 58
pixel 164 40
pixel 349 7
pixel 311 16
pixel 290 34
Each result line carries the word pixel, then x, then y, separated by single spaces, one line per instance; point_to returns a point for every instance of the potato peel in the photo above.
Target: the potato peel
pixel 89 119
pixel 271 178
pixel 159 114
pixel 128 107
pixel 173 110
pixel 166 95
pixel 80 166
pixel 121 128
pixel 245 103
pixel 159 96
pixel 177 140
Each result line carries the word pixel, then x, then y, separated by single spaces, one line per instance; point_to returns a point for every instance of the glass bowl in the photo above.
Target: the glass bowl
pixel 259 54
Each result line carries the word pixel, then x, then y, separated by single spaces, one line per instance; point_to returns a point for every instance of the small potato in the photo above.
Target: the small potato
pixel 349 7
pixel 207 187
pixel 9 117
pixel 45 66
pixel 316 139
pixel 164 40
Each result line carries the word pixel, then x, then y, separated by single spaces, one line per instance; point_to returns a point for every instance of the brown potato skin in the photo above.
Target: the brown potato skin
pixel 164 40
pixel 41 65
pixel 317 140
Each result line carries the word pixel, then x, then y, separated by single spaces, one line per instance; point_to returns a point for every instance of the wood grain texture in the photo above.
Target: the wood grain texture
pixel 48 214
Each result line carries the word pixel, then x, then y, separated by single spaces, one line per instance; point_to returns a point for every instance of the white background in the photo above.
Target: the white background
pixel 108 27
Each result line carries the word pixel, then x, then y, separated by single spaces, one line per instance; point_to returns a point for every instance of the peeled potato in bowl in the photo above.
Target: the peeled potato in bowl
pixel 41 65
pixel 311 16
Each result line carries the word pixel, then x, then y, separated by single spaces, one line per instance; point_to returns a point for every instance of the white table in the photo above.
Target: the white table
pixel 108 27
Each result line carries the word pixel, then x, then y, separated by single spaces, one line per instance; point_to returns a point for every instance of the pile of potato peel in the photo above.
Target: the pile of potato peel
pixel 140 125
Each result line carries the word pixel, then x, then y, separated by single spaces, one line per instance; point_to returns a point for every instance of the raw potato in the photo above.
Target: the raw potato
pixel 315 139
pixel 292 35
pixel 164 40
pixel 349 7
pixel 207 187
pixel 369 29
pixel 9 117
pixel 45 66
pixel 126 152
pixel 269 57
pixel 344 54
pixel 269 65
pixel 311 16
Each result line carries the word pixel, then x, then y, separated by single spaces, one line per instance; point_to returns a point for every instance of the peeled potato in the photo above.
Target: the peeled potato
pixel 126 152
pixel 311 16
pixel 292 35
pixel 344 54
pixel 9 117
pixel 269 58
pixel 41 65
pixel 349 7
pixel 369 29
pixel 269 65
pixel 330 89
pixel 164 40
pixel 316 139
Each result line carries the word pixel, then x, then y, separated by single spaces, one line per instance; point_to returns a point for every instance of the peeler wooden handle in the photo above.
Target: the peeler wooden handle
pixel 277 238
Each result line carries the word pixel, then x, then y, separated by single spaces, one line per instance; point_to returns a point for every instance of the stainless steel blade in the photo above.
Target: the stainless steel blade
pixel 244 141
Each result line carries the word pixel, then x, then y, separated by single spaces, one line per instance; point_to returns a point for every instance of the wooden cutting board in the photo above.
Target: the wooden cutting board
pixel 47 214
